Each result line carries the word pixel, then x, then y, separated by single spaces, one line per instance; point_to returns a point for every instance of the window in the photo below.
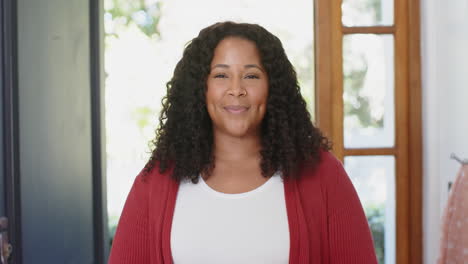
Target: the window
pixel 368 103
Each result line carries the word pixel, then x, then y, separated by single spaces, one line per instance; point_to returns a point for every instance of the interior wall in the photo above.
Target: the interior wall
pixel 444 30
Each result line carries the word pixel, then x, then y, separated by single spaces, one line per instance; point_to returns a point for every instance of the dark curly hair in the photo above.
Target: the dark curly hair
pixel 184 138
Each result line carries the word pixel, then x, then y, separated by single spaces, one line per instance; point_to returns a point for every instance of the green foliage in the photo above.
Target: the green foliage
pixel 376 6
pixel 355 103
pixel 376 219
pixel 112 225
pixel 355 68
pixel 143 13
pixel 142 116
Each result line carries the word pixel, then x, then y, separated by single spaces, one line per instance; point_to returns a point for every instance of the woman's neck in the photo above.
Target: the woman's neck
pixel 227 148
pixel 237 164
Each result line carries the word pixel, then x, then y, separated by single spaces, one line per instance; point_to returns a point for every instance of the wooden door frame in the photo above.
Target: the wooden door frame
pixel 415 131
pixel 329 110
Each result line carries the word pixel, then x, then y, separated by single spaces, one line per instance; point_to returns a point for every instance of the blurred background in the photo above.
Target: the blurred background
pixel 82 83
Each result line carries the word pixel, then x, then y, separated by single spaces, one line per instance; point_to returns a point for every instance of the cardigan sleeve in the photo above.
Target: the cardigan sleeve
pixel 131 241
pixel 350 239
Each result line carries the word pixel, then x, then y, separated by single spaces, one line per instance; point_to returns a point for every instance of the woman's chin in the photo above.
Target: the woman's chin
pixel 239 132
pixel 237 128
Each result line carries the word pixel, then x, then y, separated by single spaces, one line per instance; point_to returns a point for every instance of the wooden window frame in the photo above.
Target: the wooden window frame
pixel 329 32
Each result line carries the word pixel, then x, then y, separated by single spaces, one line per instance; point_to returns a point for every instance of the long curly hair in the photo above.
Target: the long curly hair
pixel 184 138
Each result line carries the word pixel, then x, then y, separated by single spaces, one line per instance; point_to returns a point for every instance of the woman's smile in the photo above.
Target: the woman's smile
pixel 236 109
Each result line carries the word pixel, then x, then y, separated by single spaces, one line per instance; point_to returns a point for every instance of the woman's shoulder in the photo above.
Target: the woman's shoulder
pixel 149 178
pixel 327 173
pixel 327 160
pixel 327 180
pixel 325 165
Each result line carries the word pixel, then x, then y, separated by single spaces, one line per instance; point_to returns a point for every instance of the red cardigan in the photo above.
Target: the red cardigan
pixel 326 221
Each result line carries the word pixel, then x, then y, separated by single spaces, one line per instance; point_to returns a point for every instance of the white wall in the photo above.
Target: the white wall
pixel 444 30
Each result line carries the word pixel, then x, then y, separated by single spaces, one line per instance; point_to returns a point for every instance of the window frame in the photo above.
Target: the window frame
pixel 407 151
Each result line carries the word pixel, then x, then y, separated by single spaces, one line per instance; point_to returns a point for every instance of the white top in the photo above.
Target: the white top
pixel 214 227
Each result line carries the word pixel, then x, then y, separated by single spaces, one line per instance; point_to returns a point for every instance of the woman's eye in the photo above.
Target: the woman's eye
pixel 252 76
pixel 220 75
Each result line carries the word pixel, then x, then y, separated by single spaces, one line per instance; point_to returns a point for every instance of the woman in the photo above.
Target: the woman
pixel 239 174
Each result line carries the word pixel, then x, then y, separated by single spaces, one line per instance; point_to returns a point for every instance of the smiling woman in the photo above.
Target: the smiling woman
pixel 239 174
pixel 143 43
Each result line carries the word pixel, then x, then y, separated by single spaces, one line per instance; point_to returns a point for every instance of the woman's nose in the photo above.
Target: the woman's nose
pixel 236 88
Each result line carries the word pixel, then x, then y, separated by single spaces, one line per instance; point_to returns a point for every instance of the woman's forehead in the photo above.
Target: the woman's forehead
pixel 236 51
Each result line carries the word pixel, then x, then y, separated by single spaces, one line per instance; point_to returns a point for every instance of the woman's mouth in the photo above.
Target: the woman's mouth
pixel 236 109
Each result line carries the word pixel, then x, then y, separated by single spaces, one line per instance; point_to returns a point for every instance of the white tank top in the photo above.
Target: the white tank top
pixel 214 227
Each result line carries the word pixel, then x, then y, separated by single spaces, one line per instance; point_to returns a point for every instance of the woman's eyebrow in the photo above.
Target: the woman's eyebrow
pixel 254 66
pixel 247 66
pixel 220 66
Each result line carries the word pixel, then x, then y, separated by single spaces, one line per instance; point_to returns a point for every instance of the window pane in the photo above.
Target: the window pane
pixel 143 42
pixel 367 12
pixel 374 179
pixel 368 91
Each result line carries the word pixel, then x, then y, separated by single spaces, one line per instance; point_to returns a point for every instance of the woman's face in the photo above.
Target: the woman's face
pixel 237 88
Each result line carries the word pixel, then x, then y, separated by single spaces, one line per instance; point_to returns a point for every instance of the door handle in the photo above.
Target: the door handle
pixel 5 247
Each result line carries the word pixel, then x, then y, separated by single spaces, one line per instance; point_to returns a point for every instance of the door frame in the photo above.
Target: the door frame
pixel 101 230
pixel 10 127
pixel 329 110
